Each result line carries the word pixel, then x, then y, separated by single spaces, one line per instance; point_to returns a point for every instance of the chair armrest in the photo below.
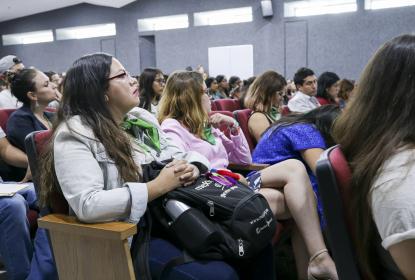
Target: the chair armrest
pixel 69 224
pixel 247 167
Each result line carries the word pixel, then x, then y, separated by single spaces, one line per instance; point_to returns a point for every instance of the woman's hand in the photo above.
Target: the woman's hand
pixel 188 172
pixel 217 119
pixel 166 181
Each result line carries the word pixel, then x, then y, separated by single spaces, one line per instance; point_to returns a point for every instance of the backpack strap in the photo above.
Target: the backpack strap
pixel 183 259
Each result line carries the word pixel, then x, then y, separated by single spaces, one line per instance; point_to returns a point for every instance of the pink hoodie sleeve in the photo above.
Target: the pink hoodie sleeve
pixel 237 147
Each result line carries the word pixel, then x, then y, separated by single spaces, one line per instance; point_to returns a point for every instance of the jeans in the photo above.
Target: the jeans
pixel 15 243
pixel 43 265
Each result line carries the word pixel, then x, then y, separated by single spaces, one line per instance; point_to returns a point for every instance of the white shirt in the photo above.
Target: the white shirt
pixel 392 198
pixel 302 103
pixel 8 101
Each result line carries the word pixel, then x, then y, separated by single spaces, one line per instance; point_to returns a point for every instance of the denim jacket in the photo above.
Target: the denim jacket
pixel 89 178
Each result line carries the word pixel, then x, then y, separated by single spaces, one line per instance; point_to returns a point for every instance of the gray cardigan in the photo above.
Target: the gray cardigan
pixel 89 178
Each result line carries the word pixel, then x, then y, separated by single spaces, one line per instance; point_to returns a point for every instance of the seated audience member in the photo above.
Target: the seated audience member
pixel 328 88
pixel 244 90
pixel 234 81
pixel 345 91
pixel 303 137
pixel 9 64
pixel 264 98
pixel 235 93
pixel 223 87
pixel 235 86
pixel 183 113
pixel 202 71
pixel 151 86
pixel 33 88
pixel 212 88
pixel 96 152
pixel 57 80
pixel 15 242
pixel 304 99
pixel 54 77
pixel 377 135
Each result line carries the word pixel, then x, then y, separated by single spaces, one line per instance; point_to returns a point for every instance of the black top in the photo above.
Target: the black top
pixel 21 123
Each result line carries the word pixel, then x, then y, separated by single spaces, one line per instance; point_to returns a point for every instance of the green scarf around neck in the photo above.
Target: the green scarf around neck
pixel 274 114
pixel 207 135
pixel 152 131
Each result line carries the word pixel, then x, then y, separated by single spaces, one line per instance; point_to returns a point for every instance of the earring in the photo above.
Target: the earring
pixel 106 98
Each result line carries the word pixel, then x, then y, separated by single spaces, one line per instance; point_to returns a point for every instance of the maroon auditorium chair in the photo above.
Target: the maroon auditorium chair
pixel 285 110
pixel 242 116
pixel 333 175
pixel 4 116
pixel 226 105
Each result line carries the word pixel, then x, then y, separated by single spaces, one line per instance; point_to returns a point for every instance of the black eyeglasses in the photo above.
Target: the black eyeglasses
pixel 122 75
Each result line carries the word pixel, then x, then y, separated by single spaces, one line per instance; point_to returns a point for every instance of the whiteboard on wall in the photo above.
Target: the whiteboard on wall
pixel 231 61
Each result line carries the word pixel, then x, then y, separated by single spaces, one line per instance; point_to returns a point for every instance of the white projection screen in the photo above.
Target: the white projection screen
pixel 231 61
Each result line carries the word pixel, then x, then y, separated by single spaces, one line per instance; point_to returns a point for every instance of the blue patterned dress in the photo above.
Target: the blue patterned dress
pixel 287 143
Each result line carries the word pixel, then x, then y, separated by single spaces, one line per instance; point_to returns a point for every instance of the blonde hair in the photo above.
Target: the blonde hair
pixel 261 93
pixel 182 101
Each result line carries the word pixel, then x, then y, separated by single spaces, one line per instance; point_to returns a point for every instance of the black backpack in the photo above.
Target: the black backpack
pixel 221 222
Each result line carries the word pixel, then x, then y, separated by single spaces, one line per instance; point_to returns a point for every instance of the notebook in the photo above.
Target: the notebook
pixel 11 189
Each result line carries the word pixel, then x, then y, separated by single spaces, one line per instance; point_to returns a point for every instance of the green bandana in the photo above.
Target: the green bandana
pixel 274 114
pixel 208 135
pixel 132 125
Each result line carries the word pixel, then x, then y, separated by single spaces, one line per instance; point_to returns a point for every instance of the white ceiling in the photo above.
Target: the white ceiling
pixel 11 9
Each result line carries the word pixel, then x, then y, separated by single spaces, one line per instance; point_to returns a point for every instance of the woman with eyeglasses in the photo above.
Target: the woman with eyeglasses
pixel 184 116
pixel 151 86
pixel 99 142
pixel 264 97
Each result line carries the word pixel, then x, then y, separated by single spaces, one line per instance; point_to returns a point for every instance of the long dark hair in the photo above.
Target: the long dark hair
pixel 21 83
pixel 147 93
pixel 325 81
pixel 379 120
pixel 85 86
pixel 322 118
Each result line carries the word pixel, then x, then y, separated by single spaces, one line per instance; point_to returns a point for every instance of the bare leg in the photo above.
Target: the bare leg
pixel 300 253
pixel 276 201
pixel 291 176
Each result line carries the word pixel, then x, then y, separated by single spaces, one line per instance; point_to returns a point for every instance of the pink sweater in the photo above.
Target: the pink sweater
pixel 225 150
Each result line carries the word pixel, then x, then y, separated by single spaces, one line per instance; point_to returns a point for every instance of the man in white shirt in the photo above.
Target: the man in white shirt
pixel 304 99
pixel 13 64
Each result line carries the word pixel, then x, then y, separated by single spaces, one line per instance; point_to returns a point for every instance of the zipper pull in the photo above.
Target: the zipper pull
pixel 241 248
pixel 211 208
